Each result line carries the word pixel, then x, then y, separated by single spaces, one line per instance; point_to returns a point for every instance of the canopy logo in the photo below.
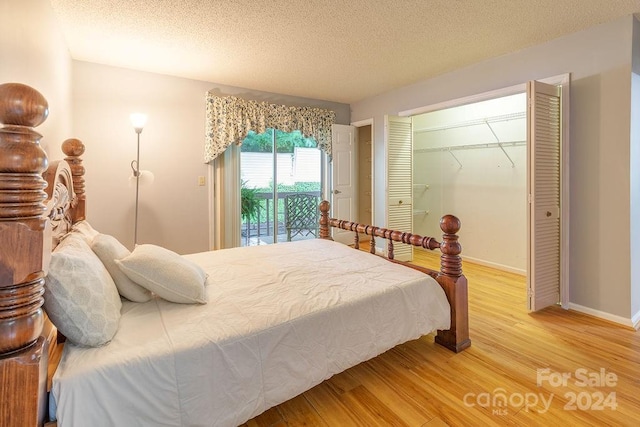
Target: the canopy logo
pixel 590 398
pixel 500 402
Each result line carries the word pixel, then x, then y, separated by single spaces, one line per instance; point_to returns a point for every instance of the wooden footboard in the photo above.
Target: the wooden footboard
pixel 450 276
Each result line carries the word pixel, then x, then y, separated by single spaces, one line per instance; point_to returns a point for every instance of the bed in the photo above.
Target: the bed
pixel 272 322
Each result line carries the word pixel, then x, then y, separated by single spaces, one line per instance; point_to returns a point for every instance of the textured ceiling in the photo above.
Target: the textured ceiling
pixel 337 50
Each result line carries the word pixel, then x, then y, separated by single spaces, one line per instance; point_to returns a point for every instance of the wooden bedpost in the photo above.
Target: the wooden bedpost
pixel 24 251
pixel 74 148
pixel 455 286
pixel 25 247
pixel 324 232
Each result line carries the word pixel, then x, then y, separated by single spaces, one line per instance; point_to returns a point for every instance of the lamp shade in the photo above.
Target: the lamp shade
pixel 146 178
pixel 138 120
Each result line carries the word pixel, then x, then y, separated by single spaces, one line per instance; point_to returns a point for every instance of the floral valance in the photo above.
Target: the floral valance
pixel 229 120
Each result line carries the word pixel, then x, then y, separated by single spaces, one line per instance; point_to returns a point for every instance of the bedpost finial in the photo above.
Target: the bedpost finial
pixel 22 160
pixel 450 261
pixel 324 206
pixel 22 105
pixel 450 224
pixel 73 147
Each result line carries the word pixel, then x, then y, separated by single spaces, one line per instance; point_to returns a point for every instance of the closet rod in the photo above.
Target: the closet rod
pixel 476 122
pixel 471 146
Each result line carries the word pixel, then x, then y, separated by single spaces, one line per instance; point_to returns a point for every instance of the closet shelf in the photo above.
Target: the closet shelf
pixel 452 148
pixel 477 122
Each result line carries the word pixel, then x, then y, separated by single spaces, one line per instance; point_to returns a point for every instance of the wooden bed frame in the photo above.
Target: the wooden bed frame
pixel 39 202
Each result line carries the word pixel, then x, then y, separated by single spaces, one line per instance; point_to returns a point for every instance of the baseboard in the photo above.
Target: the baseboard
pixel 478 261
pixel 633 322
pixel 522 272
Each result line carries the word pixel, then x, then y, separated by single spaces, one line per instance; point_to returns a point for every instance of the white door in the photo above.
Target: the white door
pixel 399 141
pixel 543 185
pixel 344 179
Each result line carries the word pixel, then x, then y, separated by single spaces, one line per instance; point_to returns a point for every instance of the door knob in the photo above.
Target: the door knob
pixel 337 191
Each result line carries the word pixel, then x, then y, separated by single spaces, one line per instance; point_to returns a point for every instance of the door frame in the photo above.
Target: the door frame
pixel 224 218
pixel 564 81
pixel 224 201
pixel 359 124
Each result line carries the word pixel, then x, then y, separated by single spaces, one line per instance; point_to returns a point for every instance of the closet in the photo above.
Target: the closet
pixel 499 161
pixel 472 160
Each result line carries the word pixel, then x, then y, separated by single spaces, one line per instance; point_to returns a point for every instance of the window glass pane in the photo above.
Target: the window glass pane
pixel 297 177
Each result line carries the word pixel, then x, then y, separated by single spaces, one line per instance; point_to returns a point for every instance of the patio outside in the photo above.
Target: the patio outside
pixel 295 214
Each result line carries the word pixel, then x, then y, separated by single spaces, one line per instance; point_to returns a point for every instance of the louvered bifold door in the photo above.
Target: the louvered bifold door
pixel 399 136
pixel 543 273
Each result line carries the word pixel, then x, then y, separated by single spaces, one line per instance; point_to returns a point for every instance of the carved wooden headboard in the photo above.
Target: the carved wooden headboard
pixel 65 190
pixel 34 211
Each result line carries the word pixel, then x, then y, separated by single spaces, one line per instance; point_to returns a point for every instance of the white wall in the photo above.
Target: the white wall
pixel 634 231
pixel 173 212
pixel 33 52
pixel 600 62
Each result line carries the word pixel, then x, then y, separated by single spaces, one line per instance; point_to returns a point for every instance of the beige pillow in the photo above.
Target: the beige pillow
pixel 80 296
pixel 165 273
pixel 85 229
pixel 109 249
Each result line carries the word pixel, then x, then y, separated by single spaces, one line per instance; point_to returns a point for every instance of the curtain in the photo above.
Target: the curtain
pixel 229 120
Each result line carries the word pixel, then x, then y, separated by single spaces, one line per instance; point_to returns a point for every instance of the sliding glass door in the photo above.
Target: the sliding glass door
pixel 280 178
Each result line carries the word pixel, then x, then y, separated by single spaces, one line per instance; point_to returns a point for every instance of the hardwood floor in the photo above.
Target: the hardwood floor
pixel 588 371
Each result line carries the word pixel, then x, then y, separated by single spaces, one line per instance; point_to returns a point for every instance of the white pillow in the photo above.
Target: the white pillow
pixel 80 296
pixel 109 249
pixel 85 229
pixel 165 273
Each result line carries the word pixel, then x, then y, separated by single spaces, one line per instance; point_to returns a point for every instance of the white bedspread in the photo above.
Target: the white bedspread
pixel 280 319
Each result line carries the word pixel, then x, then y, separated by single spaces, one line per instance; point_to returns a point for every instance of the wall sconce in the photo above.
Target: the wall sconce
pixel 138 121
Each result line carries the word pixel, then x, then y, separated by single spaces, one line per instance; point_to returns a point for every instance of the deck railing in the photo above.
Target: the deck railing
pixel 262 225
